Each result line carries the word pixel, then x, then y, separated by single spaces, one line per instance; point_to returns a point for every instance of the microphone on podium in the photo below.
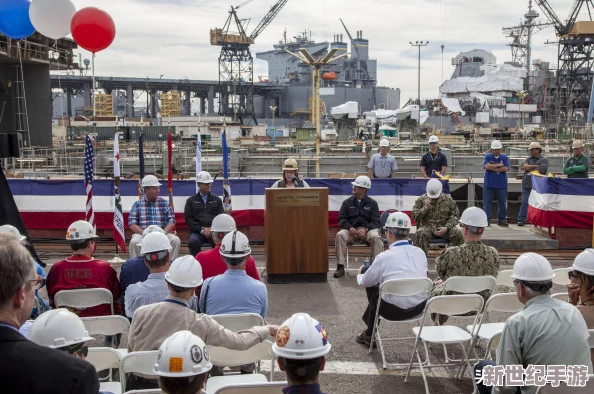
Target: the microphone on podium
pixel 294 179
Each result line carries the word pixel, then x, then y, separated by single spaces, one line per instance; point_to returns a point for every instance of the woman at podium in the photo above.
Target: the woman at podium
pixel 290 176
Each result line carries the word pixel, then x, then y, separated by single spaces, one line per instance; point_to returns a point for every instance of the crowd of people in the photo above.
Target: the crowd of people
pixel 170 299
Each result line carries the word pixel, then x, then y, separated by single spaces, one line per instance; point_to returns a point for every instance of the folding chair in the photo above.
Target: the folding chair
pixel 450 305
pixel 149 391
pixel 361 244
pixel 104 358
pixel 252 388
pixel 591 339
pixel 467 285
pixel 239 321
pixel 402 288
pixel 84 298
pixel 504 278
pixel 561 296
pixel 564 389
pixel 139 362
pixel 109 326
pixel 224 357
pixel 561 277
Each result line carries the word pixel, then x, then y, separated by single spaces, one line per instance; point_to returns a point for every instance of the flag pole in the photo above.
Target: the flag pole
pixel 118 224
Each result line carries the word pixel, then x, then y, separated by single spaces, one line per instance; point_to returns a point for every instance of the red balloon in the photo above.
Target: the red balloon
pixel 92 29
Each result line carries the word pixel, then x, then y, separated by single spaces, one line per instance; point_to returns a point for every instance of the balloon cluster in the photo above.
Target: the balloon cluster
pixel 92 28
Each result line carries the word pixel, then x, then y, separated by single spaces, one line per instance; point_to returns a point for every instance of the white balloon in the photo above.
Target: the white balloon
pixel 52 17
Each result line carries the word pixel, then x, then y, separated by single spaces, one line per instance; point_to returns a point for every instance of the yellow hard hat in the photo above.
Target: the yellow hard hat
pixel 290 165
pixel 577 144
pixel 534 145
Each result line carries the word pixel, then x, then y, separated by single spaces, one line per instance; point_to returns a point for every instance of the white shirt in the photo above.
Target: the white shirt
pixel 400 261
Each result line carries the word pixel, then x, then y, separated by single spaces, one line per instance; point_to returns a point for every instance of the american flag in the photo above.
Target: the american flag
pixel 89 217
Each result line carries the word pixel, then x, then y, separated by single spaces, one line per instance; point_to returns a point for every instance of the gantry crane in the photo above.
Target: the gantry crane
pixel 576 60
pixel 236 71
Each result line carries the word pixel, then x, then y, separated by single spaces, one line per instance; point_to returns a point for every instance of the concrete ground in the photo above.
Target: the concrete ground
pixel 339 305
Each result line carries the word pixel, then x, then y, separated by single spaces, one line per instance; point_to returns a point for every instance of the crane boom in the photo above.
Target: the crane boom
pixel 350 38
pixel 551 15
pixel 272 13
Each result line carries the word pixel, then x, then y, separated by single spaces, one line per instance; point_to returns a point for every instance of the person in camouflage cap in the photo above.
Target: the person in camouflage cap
pixel 436 215
pixel 473 258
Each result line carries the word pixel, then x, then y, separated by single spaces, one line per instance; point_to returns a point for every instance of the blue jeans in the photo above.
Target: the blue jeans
pixel 482 389
pixel 196 241
pixel 524 208
pixel 501 196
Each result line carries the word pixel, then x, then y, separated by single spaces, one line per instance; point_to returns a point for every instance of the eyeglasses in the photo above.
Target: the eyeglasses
pixel 79 348
pixel 571 274
pixel 39 282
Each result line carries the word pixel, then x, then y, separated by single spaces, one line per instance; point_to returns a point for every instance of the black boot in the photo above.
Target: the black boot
pixel 339 273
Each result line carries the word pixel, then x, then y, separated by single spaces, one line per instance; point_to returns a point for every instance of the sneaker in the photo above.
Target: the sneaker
pixel 365 340
pixel 339 273
pixel 521 223
pixel 503 223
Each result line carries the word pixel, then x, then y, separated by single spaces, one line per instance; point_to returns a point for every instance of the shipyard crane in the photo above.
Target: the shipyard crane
pixel 576 59
pixel 236 75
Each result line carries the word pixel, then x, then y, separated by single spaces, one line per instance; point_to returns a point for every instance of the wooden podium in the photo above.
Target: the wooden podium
pixel 296 235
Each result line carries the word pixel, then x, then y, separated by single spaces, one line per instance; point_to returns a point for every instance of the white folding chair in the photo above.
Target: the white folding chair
pixel 137 362
pixel 561 296
pixel 107 325
pixel 564 389
pixel 104 358
pixel 148 391
pixel 401 288
pixel 240 321
pixel 252 388
pixel 467 285
pixel 561 276
pixel 450 305
pixel 224 357
pixel 504 278
pixel 591 339
pixel 84 298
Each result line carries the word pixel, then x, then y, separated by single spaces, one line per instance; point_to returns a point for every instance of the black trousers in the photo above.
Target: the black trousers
pixel 387 310
pixel 196 241
pixel 134 382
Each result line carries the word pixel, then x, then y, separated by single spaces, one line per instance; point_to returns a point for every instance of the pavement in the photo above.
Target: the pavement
pixel 339 305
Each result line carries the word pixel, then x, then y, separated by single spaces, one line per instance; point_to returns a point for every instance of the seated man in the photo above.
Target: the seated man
pixel 400 261
pixel 155 249
pixel 547 332
pixel 151 210
pixel 199 212
pixel 581 288
pixel 436 215
pixel 301 347
pixel 82 271
pixel 148 330
pixel 25 366
pixel 359 219
pixel 211 260
pixel 473 258
pixel 134 269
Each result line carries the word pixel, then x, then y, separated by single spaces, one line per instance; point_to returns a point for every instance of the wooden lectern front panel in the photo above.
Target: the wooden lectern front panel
pixel 296 223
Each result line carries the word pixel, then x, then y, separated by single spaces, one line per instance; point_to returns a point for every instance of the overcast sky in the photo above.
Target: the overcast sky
pixel 171 37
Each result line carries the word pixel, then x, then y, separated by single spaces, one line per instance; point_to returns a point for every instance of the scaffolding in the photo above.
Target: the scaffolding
pixel 170 103
pixel 104 105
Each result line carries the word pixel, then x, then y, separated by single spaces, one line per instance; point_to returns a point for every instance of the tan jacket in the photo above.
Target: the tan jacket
pixel 152 324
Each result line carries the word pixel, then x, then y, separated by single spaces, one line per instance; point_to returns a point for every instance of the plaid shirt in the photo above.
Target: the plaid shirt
pixel 145 213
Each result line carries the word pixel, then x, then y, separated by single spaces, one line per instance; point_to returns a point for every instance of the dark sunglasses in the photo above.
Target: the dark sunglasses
pixel 39 282
pixel 571 274
pixel 80 349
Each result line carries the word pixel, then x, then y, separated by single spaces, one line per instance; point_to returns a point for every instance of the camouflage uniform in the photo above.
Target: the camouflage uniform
pixel 470 259
pixel 442 212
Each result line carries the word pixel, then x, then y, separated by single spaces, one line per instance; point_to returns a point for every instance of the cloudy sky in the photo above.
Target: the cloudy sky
pixel 171 37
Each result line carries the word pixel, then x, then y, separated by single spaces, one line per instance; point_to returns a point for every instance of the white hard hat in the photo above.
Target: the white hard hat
pixel 150 180
pixel 398 220
pixel 496 144
pixel 223 223
pixel 584 262
pixel 433 139
pixel 434 188
pixel 185 272
pixel 80 231
pixel 290 165
pixel 182 354
pixel 362 181
pixel 301 338
pixel 12 230
pixel 203 177
pixel 532 267
pixel 534 145
pixel 577 144
pixel 235 245
pixel 474 217
pixel 151 229
pixel 384 142
pixel 58 328
pixel 155 242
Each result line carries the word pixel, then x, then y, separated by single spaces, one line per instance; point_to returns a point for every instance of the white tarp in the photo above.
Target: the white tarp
pixel 453 105
pixel 410 112
pixel 482 117
pixel 382 115
pixel 349 109
pixel 520 108
pixel 495 78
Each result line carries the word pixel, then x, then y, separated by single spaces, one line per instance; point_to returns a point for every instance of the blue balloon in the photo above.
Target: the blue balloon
pixel 14 19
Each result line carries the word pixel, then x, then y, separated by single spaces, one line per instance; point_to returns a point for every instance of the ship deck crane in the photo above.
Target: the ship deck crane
pixel 236 75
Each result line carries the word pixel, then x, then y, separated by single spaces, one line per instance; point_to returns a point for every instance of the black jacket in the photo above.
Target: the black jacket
pixel 351 215
pixel 198 215
pixel 26 367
